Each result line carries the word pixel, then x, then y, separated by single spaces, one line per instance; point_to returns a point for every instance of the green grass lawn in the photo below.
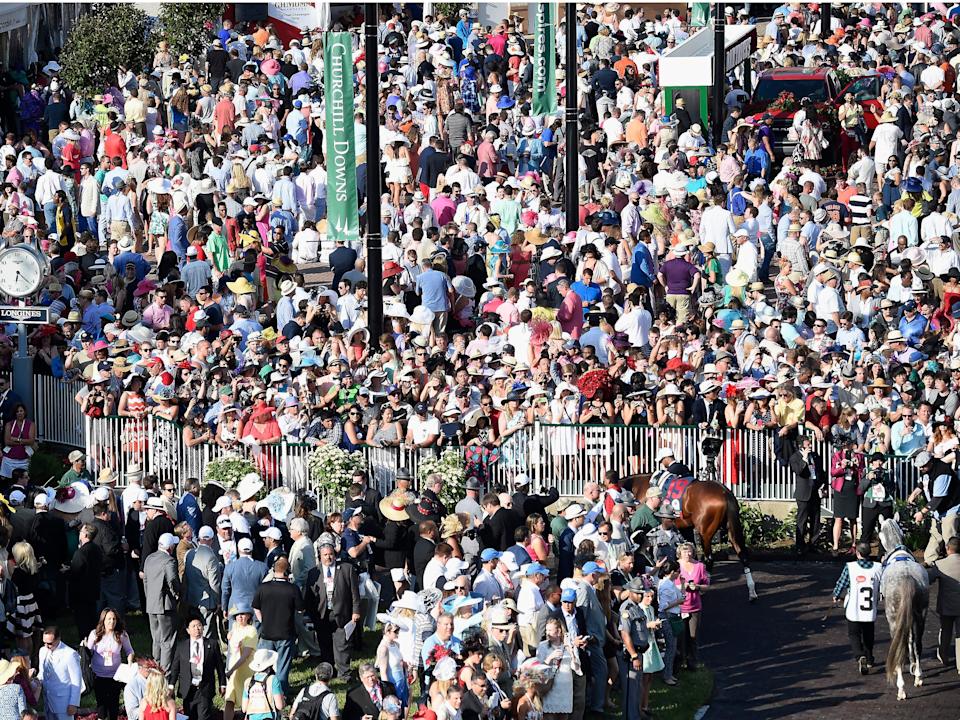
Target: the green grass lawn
pixel 669 703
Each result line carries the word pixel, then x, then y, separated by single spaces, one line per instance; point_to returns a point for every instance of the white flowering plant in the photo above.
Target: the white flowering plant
pixel 450 466
pixel 331 471
pixel 228 470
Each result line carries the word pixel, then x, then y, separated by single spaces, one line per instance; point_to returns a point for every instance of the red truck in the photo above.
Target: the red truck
pixel 822 85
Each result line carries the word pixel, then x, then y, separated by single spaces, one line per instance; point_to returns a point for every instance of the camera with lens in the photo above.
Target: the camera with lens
pixel 711 446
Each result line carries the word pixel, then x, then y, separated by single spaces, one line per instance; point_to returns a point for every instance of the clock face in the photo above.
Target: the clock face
pixel 21 272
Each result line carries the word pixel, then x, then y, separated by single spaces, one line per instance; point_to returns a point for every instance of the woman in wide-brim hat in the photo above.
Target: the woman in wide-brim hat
pixel 394 507
pixel 241 647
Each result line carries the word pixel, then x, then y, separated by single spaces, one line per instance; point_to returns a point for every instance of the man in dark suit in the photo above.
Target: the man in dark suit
pixel 497 530
pixel 341 260
pixel 527 504
pixel 83 581
pixel 333 600
pixel 367 697
pixel 708 408
pixel 112 591
pixel 808 467
pixel 424 548
pixel 474 706
pixel 158 523
pixel 198 670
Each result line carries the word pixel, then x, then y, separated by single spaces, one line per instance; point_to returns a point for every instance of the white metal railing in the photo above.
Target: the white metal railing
pixel 561 456
pixel 57 412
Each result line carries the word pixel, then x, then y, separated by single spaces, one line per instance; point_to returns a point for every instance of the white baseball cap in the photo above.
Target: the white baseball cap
pixel 167 540
pixel 272 533
pixel 206 533
pixel 41 501
pixel 245 545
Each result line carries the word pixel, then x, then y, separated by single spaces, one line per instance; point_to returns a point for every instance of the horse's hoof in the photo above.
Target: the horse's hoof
pixel 918 682
pixel 901 695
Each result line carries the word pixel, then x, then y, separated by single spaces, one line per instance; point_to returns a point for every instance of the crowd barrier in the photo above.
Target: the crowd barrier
pixel 56 411
pixel 561 456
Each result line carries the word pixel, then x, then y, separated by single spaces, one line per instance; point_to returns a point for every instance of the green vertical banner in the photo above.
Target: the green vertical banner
pixel 343 219
pixel 545 59
pixel 700 15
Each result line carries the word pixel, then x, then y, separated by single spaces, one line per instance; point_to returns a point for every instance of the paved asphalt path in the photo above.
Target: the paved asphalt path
pixel 787 656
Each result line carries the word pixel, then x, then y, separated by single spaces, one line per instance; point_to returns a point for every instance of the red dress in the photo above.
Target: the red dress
pixel 519 266
pixel 152 713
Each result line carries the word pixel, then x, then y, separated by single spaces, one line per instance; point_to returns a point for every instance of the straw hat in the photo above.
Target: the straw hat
pixel 450 526
pixel 736 278
pixel 7 670
pixel 394 507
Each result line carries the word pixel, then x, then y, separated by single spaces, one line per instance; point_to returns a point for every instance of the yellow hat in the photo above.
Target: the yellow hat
pixel 241 286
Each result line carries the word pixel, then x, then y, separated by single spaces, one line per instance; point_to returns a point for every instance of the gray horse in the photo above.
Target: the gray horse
pixel 905 589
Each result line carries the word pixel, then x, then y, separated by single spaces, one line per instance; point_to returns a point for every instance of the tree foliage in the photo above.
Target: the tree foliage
pixel 188 26
pixel 102 40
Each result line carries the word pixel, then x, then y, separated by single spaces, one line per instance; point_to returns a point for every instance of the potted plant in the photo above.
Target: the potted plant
pixel 332 469
pixel 228 470
pixel 450 466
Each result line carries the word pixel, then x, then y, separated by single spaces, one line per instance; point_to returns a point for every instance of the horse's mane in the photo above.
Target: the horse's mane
pixel 891 536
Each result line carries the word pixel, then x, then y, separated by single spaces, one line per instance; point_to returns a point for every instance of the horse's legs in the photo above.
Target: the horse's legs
pixel 751 586
pixel 707 542
pixel 901 693
pixel 916 640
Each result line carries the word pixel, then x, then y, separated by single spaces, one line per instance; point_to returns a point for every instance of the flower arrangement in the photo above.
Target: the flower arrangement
pixel 228 470
pixel 331 470
pixel 451 467
pixel 785 101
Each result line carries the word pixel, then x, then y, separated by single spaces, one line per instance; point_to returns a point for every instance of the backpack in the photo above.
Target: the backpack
pixel 311 706
pixel 260 688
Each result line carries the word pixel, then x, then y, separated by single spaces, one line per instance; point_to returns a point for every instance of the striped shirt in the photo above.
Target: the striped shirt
pixel 860 209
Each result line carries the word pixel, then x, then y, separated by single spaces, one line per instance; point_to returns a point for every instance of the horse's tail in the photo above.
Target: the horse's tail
pixel 735 527
pixel 900 629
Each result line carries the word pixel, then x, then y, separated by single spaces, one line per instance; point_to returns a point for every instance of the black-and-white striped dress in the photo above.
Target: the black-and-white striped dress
pixel 26 620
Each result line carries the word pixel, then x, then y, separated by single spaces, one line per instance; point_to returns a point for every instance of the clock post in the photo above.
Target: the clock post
pixel 23 267
pixel 23 370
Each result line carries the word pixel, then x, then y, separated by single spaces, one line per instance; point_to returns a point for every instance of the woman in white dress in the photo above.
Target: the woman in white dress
pixel 390 662
pixel 563 440
pixel 397 170
pixel 557 653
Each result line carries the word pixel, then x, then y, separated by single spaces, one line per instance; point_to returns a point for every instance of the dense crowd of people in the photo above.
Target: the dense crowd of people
pixel 810 294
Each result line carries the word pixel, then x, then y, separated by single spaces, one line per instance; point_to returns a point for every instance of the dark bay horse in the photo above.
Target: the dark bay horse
pixel 705 506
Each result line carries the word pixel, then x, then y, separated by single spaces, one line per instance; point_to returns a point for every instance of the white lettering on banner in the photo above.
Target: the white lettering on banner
pixel 540 69
pixel 302 15
pixel 12 16
pixel 340 146
pixel 738 53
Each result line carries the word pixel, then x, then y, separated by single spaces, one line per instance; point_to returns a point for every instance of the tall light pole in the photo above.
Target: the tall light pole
pixel 571 169
pixel 719 73
pixel 374 240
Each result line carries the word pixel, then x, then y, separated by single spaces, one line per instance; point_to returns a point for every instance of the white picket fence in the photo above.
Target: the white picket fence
pixel 561 456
